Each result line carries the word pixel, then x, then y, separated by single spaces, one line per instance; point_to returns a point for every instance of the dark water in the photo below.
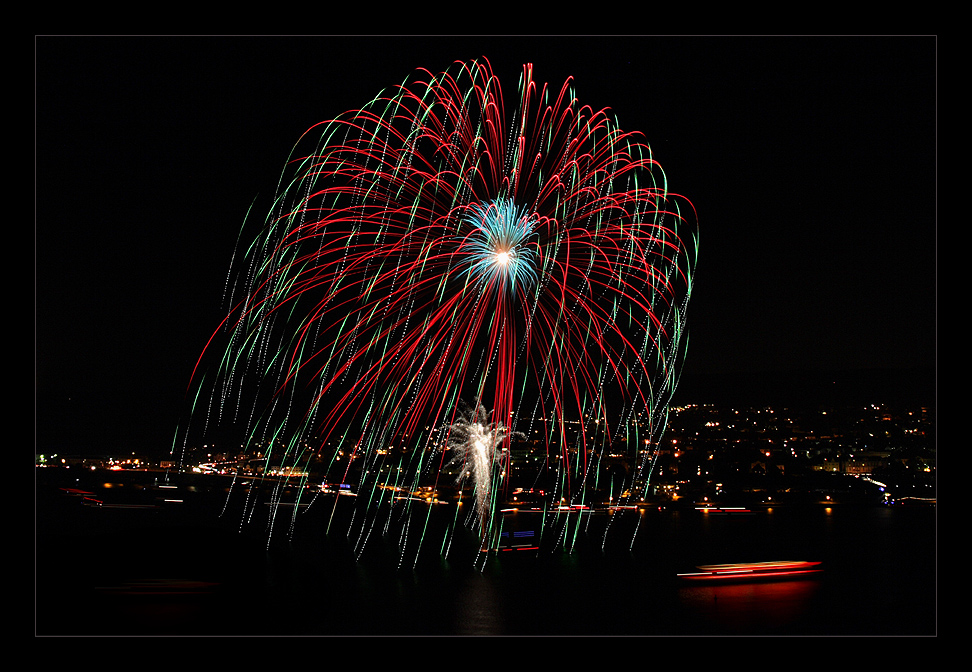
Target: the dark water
pixel 181 570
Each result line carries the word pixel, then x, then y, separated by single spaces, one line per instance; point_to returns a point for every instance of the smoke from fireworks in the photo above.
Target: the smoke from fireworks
pixel 435 246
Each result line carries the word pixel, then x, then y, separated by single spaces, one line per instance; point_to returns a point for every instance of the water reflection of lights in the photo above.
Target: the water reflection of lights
pixel 744 607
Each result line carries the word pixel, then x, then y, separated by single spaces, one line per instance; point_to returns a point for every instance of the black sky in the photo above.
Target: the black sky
pixel 811 163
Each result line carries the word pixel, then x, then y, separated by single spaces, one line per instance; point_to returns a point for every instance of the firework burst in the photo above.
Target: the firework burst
pixel 478 454
pixel 435 246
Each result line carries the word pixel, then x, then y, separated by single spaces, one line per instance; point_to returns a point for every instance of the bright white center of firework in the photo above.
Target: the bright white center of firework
pixel 502 257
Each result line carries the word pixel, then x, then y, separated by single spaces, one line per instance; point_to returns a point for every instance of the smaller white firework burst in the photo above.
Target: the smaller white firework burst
pixel 476 443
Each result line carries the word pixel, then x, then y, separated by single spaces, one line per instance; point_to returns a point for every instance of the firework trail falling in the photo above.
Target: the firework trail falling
pixel 434 246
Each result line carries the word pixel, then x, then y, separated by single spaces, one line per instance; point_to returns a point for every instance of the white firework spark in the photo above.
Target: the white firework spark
pixel 476 443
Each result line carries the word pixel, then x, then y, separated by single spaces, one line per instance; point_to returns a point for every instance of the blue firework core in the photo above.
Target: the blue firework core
pixel 499 245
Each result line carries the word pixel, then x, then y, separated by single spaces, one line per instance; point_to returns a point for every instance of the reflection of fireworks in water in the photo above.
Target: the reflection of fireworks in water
pixel 429 248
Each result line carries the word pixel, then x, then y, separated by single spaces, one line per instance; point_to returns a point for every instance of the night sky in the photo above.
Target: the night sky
pixel 811 163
